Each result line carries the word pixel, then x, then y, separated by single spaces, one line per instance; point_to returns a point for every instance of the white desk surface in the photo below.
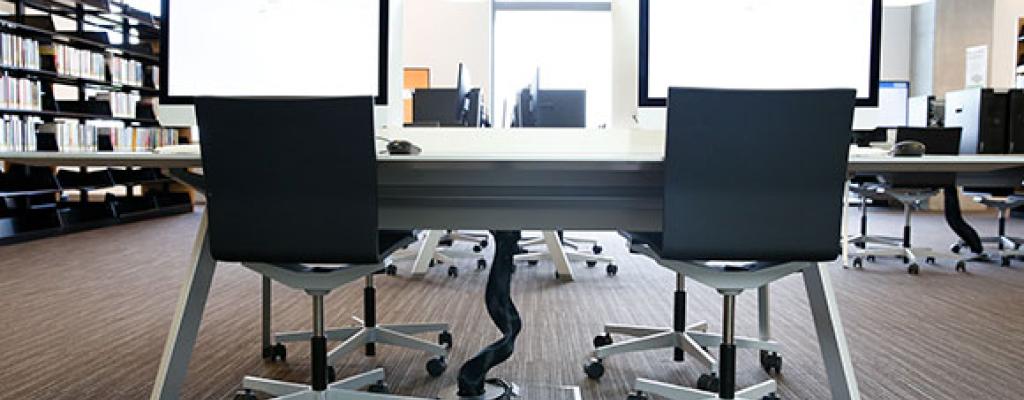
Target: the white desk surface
pixel 531 145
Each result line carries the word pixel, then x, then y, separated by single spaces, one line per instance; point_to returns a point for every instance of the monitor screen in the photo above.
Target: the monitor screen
pixel 269 48
pixel 759 44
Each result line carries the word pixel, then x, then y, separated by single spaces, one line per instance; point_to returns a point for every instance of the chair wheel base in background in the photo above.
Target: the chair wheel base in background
pixel 1005 261
pixel 602 340
pixel 445 339
pixel 245 394
pixel 961 266
pixel 771 362
pixel 612 269
pixel 955 248
pixel 597 249
pixel 453 271
pixel 594 369
pixel 637 396
pixel 275 353
pixel 477 249
pixel 913 269
pixel 858 262
pixel 436 367
pixel 481 264
pixel 591 264
pixel 391 270
pixel 379 387
pixel 708 382
pixel 930 260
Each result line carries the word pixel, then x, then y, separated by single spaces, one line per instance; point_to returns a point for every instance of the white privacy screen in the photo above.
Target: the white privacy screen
pixel 760 44
pixel 273 48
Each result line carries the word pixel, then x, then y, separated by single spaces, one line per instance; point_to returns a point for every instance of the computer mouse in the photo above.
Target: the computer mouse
pixel 402 148
pixel 909 148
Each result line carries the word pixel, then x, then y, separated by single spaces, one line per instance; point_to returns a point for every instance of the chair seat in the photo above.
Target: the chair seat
pixel 654 241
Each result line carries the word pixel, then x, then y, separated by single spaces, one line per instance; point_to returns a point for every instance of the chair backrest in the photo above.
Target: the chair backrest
pixel 755 174
pixel 290 180
pixel 937 141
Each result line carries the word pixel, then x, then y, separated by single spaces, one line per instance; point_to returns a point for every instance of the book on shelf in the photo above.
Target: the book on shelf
pixel 70 135
pixel 73 62
pixel 73 136
pixel 19 52
pixel 126 72
pixel 20 94
pixel 122 105
pixel 142 138
pixel 154 76
pixel 18 133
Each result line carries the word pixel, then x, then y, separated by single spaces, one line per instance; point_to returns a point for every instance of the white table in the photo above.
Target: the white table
pixel 543 179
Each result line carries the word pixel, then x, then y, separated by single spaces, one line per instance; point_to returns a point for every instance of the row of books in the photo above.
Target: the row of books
pixel 126 72
pixel 19 52
pixel 73 136
pixel 122 105
pixel 20 94
pixel 142 139
pixel 78 63
pixel 18 133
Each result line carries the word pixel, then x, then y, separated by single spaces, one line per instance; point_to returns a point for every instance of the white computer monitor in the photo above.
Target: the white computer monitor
pixel 763 44
pixel 274 48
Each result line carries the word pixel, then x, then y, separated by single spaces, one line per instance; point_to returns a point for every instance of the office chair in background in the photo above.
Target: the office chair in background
pixel 712 235
pixel 317 232
pixel 1007 248
pixel 556 242
pixel 911 189
pixel 442 250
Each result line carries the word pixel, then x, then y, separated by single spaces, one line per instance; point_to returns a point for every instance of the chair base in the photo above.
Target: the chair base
pixel 363 336
pixel 912 256
pixel 762 391
pixel 345 389
pixel 561 252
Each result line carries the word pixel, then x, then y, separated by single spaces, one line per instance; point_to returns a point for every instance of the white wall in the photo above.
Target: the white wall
pixel 1004 44
pixel 896 34
pixel 439 34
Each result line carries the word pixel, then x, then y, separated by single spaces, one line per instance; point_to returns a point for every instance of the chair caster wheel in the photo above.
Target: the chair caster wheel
pixel 1005 262
pixel 481 264
pixel 245 394
pixel 905 259
pixel 532 263
pixel 391 270
pixel 602 340
pixel 275 353
pixel 612 269
pixel 436 367
pixel 637 396
pixel 858 262
pixel 431 264
pixel 708 382
pixel 379 387
pixel 597 249
pixel 594 369
pixel 446 243
pixel 871 259
pixel 445 339
pixel 955 248
pixel 930 260
pixel 961 266
pixel 484 243
pixel 477 249
pixel 913 269
pixel 591 264
pixel 772 396
pixel 771 362
pixel 332 374
pixel 453 271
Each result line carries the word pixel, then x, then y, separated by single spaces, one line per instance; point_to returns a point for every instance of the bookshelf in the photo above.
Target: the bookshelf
pixel 1020 54
pixel 80 75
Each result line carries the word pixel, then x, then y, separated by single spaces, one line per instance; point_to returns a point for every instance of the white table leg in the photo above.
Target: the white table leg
pixel 558 256
pixel 187 317
pixel 426 253
pixel 831 336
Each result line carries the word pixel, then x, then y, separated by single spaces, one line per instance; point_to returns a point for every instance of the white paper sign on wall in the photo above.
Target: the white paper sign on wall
pixel 977 67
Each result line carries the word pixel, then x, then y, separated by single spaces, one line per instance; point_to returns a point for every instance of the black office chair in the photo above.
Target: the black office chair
pixel 1004 200
pixel 719 164
pixel 291 182
pixel 911 189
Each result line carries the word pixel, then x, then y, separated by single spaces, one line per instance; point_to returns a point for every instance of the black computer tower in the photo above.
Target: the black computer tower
pixel 439 107
pixel 983 115
pixel 1015 118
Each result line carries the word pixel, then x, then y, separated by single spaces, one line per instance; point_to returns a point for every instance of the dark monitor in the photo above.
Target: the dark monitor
pixel 525 112
pixel 937 141
pixel 561 109
pixel 1016 122
pixel 433 107
pixel 463 86
pixel 864 137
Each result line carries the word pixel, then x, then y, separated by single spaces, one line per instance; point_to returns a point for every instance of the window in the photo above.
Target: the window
pixel 568 41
